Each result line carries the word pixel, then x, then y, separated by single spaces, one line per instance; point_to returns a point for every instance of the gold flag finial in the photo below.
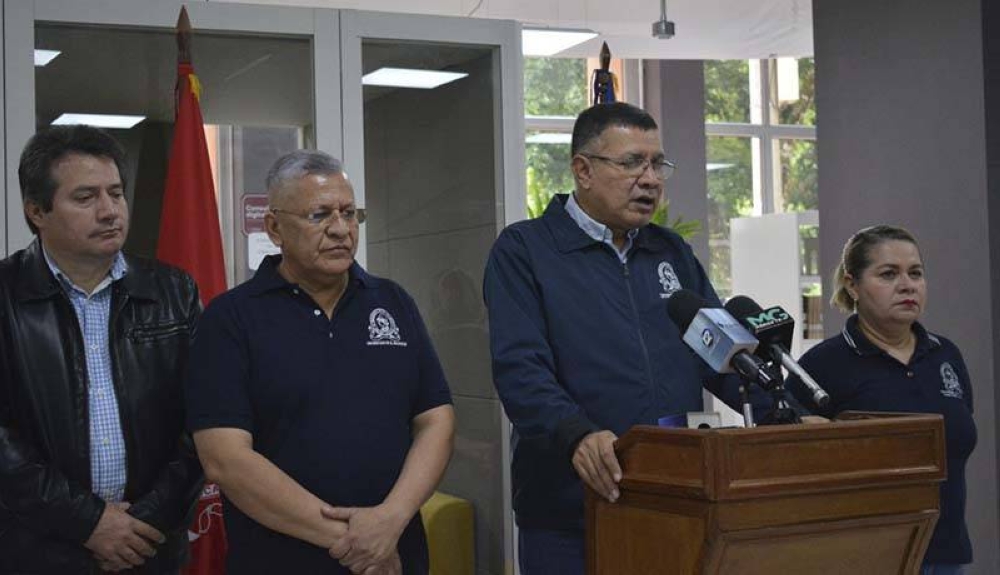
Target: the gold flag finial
pixel 604 81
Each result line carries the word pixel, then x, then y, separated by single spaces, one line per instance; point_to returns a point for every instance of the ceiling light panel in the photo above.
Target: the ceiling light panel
pixel 43 57
pixel 410 78
pixel 99 120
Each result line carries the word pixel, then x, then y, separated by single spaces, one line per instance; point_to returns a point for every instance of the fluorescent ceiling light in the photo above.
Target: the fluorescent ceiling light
pixel 714 166
pixel 43 57
pixel 410 78
pixel 99 120
pixel 550 41
pixel 549 138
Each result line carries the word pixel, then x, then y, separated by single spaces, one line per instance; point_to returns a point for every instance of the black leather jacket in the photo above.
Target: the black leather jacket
pixel 47 509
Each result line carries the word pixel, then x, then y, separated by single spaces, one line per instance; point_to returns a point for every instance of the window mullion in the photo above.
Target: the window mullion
pixel 549 123
pixel 787 132
pixel 768 179
pixel 732 129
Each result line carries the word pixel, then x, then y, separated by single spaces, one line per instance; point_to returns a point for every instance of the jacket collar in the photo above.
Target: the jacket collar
pixel 268 279
pixel 36 281
pixel 570 237
pixel 117 272
pixel 138 285
pixel 861 345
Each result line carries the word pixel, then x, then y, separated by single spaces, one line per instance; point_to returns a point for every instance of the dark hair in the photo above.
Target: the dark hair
pixel 857 257
pixel 592 122
pixel 52 144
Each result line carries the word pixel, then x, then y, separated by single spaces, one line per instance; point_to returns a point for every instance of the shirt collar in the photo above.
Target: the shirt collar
pixel 117 272
pixel 589 225
pixel 268 279
pixel 861 345
pixel 568 236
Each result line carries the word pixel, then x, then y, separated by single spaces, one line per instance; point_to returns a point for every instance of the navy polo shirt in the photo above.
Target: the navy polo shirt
pixel 859 375
pixel 328 401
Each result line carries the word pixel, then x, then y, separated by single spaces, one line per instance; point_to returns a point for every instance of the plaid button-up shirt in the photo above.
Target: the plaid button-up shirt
pixel 107 443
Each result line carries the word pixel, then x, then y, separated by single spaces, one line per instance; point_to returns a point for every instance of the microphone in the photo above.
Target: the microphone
pixel 717 338
pixel 774 328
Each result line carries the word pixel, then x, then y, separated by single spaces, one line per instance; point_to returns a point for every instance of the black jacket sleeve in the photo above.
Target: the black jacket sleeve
pixel 39 496
pixel 33 492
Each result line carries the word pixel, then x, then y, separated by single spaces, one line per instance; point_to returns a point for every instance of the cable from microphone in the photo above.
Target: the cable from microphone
pixel 774 329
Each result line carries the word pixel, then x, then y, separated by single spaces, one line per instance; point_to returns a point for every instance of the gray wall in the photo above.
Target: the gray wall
pixel 901 139
pixel 674 94
pixel 430 194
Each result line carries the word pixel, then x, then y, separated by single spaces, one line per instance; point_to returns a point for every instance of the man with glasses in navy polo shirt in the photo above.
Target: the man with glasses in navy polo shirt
pixel 316 400
pixel 582 345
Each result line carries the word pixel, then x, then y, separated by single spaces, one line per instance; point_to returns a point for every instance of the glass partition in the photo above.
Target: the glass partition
pixel 430 190
pixel 440 170
pixel 253 103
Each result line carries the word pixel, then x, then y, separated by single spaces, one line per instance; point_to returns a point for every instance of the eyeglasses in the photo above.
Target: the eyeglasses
pixel 635 166
pixel 325 217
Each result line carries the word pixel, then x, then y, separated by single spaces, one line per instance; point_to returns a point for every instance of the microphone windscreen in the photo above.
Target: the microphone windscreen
pixel 742 307
pixel 683 305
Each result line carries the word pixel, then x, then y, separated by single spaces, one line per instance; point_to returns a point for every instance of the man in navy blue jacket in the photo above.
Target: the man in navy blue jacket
pixel 582 345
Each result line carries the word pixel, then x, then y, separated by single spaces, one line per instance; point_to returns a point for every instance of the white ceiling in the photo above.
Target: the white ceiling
pixel 706 29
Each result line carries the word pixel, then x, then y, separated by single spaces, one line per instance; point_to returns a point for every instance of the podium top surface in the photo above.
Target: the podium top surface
pixel 855 451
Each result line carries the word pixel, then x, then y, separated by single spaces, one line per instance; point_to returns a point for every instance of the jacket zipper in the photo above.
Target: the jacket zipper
pixel 119 299
pixel 83 375
pixel 638 326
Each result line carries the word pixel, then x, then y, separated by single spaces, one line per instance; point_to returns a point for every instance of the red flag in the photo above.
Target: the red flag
pixel 190 239
pixel 189 223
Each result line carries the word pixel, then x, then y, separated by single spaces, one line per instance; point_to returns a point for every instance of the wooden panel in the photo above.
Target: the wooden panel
pixel 633 540
pixel 875 546
pixel 675 462
pixel 838 455
pixel 770 464
pixel 865 449
pixel 848 504
pixel 857 497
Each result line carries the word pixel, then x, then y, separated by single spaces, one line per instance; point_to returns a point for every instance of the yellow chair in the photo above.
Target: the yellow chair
pixel 448 521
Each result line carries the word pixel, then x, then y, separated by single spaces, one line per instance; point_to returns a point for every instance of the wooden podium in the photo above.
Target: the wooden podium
pixel 856 496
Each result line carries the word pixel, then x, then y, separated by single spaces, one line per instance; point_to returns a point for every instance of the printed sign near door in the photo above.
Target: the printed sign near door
pixel 258 244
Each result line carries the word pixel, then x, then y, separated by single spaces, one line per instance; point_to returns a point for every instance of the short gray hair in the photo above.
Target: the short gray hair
pixel 299 164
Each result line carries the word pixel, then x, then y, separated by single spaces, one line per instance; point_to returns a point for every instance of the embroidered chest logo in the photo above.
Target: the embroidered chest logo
pixel 951 386
pixel 668 279
pixel 382 329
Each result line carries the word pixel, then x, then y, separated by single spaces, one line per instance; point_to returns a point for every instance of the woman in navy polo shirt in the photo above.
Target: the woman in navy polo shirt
pixel 884 360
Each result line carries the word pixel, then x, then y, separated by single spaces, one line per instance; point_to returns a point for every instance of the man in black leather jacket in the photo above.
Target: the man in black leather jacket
pixel 96 471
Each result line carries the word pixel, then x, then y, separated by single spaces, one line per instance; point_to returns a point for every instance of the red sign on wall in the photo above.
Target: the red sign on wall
pixel 254 208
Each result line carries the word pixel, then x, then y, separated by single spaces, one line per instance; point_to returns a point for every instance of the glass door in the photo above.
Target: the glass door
pixel 262 71
pixel 433 144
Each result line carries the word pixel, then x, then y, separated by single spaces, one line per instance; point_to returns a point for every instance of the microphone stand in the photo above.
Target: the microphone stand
pixel 751 370
pixel 782 413
pixel 747 408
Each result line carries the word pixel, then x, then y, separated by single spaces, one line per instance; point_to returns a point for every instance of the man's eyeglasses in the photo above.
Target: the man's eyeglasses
pixel 326 217
pixel 635 166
